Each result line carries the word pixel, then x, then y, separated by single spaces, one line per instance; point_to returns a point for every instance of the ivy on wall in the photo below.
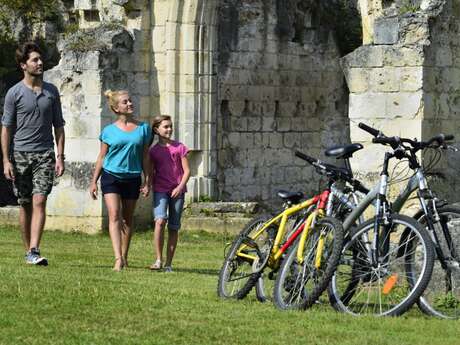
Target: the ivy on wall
pixel 17 18
pixel 30 11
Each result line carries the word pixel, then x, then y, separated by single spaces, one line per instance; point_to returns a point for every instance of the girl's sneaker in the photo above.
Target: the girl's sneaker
pixel 168 269
pixel 156 265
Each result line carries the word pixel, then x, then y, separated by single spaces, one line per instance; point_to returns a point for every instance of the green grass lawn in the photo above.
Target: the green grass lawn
pixel 79 300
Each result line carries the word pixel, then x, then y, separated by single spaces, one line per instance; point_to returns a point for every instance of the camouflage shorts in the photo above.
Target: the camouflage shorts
pixel 34 174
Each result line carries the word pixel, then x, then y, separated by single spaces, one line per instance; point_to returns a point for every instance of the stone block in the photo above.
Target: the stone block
pixel 188 34
pixel 411 78
pixel 158 62
pixel 82 150
pixel 234 139
pixel 449 79
pixel 82 126
pixel 403 56
pixel 277 176
pixel 283 124
pixel 415 31
pixel 189 135
pixel 88 225
pixel 224 225
pixel 443 57
pixel 187 83
pixel 268 124
pixel 287 109
pixel 385 79
pixel 160 12
pixel 236 108
pixel 367 105
pixel 404 104
pixel 365 56
pixel 291 140
pixel 239 124
pixel 386 30
pixel 254 123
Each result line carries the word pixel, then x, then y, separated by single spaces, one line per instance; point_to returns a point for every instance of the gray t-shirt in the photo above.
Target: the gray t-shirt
pixel 32 116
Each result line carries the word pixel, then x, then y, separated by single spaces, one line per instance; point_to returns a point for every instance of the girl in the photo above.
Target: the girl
pixel 121 161
pixel 170 173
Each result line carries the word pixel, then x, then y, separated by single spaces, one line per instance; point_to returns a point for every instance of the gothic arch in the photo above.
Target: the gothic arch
pixel 191 32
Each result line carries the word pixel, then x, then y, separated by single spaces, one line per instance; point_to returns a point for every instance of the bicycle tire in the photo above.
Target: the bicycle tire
pixel 232 263
pixel 441 297
pixel 358 288
pixel 300 284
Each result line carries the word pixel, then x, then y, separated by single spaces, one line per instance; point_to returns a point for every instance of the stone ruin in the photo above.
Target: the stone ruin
pixel 248 82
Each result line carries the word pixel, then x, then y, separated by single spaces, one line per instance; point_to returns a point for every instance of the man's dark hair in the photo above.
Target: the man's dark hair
pixel 23 52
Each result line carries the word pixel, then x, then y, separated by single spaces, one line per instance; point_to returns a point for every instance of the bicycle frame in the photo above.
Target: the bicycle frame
pixel 277 251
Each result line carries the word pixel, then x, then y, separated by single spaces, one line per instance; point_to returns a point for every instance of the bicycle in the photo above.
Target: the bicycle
pixel 289 291
pixel 442 296
pixel 371 258
pixel 260 245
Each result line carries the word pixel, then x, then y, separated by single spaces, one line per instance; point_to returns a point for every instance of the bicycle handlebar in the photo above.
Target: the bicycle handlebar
pixel 395 142
pixel 332 171
pixel 369 129
pixel 305 157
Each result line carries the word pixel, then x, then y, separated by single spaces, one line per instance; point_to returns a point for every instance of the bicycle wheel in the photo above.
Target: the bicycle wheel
pixel 236 277
pixel 266 282
pixel 441 297
pixel 300 282
pixel 359 288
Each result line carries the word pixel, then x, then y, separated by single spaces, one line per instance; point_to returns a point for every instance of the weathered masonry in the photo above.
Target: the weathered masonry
pixel 249 81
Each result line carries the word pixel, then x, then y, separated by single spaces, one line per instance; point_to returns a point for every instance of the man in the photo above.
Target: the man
pixel 32 108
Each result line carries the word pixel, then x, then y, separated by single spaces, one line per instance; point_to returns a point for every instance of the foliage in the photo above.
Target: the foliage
pixel 70 29
pixel 7 49
pixel 205 198
pixel 79 300
pixel 32 10
pixel 90 39
pixel 408 6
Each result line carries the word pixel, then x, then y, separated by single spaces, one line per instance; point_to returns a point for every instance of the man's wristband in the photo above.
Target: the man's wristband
pixel 61 156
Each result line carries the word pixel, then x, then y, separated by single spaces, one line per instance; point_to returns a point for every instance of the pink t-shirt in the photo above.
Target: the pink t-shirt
pixel 167 165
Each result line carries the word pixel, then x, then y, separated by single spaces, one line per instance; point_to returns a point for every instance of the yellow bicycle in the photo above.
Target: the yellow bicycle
pixel 316 238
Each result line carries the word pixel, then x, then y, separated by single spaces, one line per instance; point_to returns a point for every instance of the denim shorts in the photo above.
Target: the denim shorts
pixel 165 207
pixel 127 188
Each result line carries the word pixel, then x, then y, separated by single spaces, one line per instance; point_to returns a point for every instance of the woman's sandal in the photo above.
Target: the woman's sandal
pixel 156 265
pixel 119 264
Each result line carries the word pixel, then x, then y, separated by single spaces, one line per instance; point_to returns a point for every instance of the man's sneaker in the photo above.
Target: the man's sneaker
pixel 168 269
pixel 33 258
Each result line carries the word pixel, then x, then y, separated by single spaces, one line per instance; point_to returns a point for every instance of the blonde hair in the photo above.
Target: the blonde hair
pixel 113 96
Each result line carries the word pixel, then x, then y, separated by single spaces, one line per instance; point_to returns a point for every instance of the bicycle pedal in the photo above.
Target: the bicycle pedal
pixel 250 242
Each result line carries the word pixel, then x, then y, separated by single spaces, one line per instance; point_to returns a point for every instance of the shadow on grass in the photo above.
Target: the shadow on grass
pixel 204 271
pixel 210 272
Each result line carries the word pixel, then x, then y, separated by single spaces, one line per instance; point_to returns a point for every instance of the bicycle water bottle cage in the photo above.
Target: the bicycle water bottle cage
pixel 343 151
pixel 292 197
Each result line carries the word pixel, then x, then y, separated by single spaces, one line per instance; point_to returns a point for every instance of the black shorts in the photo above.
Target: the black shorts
pixel 127 188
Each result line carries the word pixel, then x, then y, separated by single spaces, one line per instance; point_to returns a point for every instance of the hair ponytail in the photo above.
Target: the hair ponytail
pixel 112 97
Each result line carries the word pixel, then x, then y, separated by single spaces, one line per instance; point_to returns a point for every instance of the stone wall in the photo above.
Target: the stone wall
pixel 441 92
pixel 81 76
pixel 405 83
pixel 280 89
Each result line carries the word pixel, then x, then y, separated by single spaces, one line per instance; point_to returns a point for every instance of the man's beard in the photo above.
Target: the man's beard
pixel 36 74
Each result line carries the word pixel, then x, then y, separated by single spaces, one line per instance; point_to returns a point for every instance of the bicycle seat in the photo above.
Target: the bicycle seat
pixel 343 151
pixel 293 197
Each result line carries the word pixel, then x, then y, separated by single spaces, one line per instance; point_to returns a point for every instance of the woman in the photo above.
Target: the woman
pixel 120 163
